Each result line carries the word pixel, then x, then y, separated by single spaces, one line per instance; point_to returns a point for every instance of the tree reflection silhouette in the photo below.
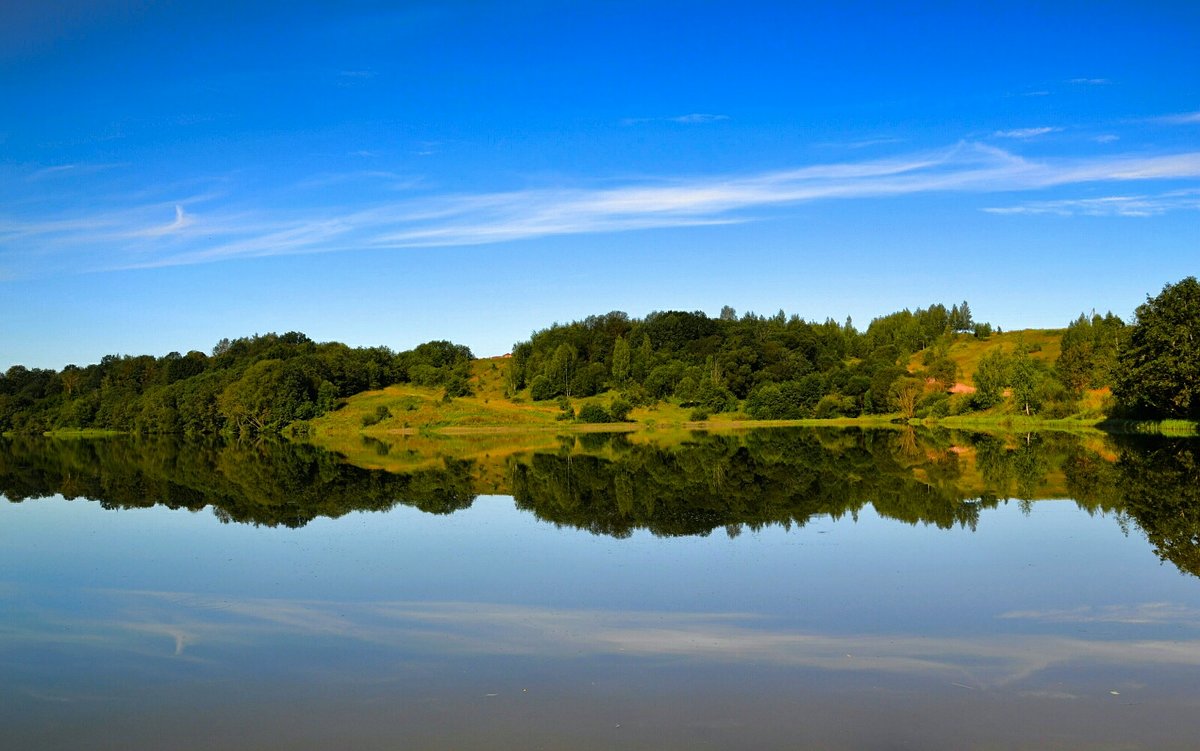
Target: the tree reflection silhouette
pixel 611 485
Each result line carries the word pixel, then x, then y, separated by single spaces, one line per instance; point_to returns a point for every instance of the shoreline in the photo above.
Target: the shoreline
pixel 1005 423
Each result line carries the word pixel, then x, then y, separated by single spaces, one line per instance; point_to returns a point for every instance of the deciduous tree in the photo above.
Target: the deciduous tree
pixel 1159 373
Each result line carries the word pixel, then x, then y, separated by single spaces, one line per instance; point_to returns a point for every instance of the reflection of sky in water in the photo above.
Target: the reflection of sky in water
pixel 154 606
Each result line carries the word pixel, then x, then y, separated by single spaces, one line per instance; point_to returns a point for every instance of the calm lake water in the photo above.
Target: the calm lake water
pixel 770 590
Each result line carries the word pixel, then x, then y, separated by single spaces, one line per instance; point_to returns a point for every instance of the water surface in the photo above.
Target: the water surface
pixel 780 589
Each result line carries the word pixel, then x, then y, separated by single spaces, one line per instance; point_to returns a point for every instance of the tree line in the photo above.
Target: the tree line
pixel 782 367
pixel 256 384
pixel 771 367
pixel 777 367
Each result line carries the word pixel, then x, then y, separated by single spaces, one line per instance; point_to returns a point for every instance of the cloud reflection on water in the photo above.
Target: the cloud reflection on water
pixel 206 627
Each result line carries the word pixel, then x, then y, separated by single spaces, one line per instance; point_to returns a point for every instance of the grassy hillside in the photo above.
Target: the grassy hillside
pixel 410 411
pixel 487 419
pixel 417 408
pixel 966 351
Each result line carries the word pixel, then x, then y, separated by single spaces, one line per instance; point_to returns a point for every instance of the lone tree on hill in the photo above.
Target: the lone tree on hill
pixel 1158 374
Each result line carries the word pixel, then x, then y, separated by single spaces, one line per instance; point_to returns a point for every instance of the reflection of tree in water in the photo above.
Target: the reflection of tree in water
pixel 908 447
pixel 733 482
pixel 1017 467
pixel 610 485
pixel 1160 480
pixel 259 482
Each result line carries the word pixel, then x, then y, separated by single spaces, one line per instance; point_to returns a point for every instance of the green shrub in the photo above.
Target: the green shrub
pixel 619 409
pixel 381 413
pixel 835 405
pixel 960 404
pixel 936 404
pixel 542 388
pixel 592 412
pixel 637 395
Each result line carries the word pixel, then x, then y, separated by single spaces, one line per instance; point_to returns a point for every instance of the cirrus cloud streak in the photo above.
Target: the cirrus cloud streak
pixel 209 228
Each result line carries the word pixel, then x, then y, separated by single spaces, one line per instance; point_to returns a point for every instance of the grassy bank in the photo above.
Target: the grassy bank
pixel 1173 428
pixel 82 433
pixel 406 410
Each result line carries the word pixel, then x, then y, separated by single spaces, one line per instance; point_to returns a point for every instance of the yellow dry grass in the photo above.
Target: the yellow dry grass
pixel 966 351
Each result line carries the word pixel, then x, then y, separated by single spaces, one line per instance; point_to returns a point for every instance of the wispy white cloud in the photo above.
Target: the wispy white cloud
pixel 860 144
pixel 135 236
pixel 390 180
pixel 68 170
pixel 182 219
pixel 1106 138
pixel 427 148
pixel 692 118
pixel 698 117
pixel 1131 205
pixel 47 171
pixel 1183 118
pixel 1089 81
pixel 1025 132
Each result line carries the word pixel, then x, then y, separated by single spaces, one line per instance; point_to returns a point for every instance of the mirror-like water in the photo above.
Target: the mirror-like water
pixel 778 589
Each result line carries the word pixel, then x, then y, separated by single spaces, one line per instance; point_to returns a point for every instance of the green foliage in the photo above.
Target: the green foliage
pixel 961 404
pixel 1054 400
pixel 619 409
pixel 790 400
pixel 253 385
pixel 1025 379
pixel 991 378
pixel 834 405
pixel 910 331
pixel 565 410
pixel 637 395
pixel 593 412
pixel 934 404
pixel 663 380
pixel 714 363
pixel 380 414
pixel 1091 349
pixel 944 372
pixel 621 360
pixel 885 375
pixel 904 394
pixel 518 367
pixel 561 367
pixel 588 380
pixel 960 318
pixel 1158 375
pixel 541 389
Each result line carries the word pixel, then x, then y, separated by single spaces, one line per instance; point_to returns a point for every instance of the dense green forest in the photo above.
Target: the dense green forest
pixel 783 367
pixel 255 384
pixel 775 367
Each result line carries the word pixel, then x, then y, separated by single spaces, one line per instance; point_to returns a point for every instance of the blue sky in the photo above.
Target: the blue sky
pixel 172 173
